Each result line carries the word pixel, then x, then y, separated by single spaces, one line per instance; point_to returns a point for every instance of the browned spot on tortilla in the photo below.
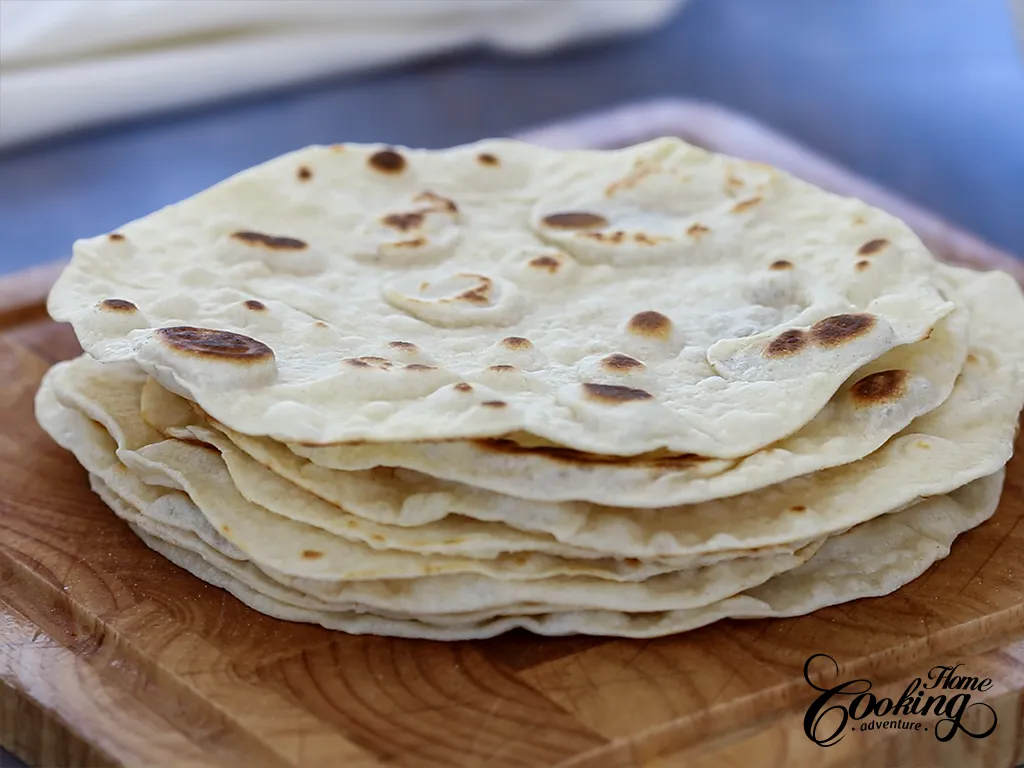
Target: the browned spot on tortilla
pixel 226 528
pixel 612 393
pixel 256 306
pixel 653 460
pixel 972 358
pixel 650 324
pixel 304 173
pixel 923 444
pixel 642 168
pixel 272 242
pixel 550 263
pixel 486 158
pixel 786 343
pixel 516 342
pixel 403 221
pixel 502 368
pixel 386 161
pixel 616 237
pixel 494 403
pixel 117 237
pixel 781 264
pixel 697 231
pixel 871 247
pixel 862 265
pixel 377 537
pixel 746 205
pixel 643 239
pixel 798 508
pixel 416 242
pixel 481 294
pixel 118 305
pixel 320 324
pixel 926 335
pixel 606 237
pixel 858 219
pixel 420 367
pixel 405 346
pixel 222 345
pixel 881 387
pixel 337 147
pixel 733 182
pixel 437 203
pixel 311 554
pixel 839 329
pixel 618 363
pixel 463 386
pixel 574 220
pixel 368 361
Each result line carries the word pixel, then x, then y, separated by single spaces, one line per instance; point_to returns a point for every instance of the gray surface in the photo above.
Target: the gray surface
pixel 926 96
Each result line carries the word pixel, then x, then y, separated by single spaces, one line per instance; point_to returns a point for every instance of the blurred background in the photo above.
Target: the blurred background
pixel 110 109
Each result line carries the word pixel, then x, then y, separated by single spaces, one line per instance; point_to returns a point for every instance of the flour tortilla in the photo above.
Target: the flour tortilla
pixel 615 302
pixel 968 437
pixel 871 560
pixel 842 432
pixel 182 537
pixel 331 568
pixel 231 481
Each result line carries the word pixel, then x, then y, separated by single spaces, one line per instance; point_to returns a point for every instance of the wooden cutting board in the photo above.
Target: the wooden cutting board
pixel 111 655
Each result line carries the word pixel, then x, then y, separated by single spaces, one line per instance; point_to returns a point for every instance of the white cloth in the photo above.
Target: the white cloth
pixel 71 63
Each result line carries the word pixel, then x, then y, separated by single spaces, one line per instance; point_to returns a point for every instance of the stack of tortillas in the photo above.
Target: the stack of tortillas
pixel 443 394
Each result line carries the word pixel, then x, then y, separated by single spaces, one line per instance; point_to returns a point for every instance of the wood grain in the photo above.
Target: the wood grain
pixel 110 655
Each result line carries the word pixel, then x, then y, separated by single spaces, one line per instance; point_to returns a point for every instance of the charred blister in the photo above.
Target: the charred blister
pixel 839 329
pixel 698 231
pixel 403 221
pixel 547 263
pixel 872 247
pixel 746 205
pixel 786 343
pixel 220 345
pixel 879 388
pixel 270 242
pixel 614 394
pixel 387 161
pixel 516 343
pixel 117 305
pixel 574 220
pixel 619 363
pixel 650 324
